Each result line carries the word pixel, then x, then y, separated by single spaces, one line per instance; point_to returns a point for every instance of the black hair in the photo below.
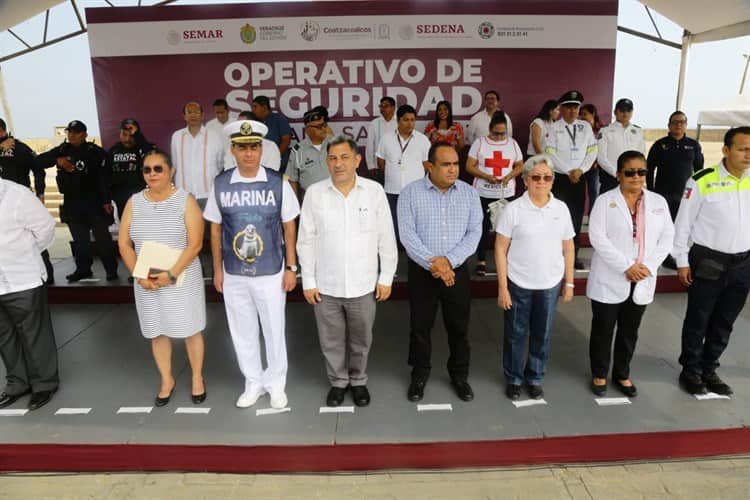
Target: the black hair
pixel 247 115
pixel 405 109
pixel 342 139
pixel 447 104
pixel 498 118
pixel 729 136
pixel 627 156
pixel 497 96
pixel 546 112
pixel 675 113
pixel 159 152
pixel 390 100
pixel 434 148
pixel 221 102
pixel 263 101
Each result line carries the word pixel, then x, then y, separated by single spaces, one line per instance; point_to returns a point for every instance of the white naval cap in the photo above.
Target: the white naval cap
pixel 245 132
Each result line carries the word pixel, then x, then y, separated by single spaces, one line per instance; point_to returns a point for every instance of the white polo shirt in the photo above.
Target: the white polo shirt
pixel 197 160
pixel 403 159
pixel 289 203
pixel 535 256
pixel 343 240
pixel 479 125
pixel 495 158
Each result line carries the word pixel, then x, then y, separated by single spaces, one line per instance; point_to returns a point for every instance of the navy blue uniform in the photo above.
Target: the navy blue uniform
pixel 670 164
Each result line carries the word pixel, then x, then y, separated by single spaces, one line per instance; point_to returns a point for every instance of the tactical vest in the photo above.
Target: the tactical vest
pixel 252 242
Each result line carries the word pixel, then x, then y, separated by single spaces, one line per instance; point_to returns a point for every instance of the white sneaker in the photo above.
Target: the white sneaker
pixel 278 400
pixel 249 398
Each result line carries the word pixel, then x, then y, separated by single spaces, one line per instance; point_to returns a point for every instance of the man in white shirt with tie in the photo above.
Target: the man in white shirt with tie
pixel 347 249
pixel 572 146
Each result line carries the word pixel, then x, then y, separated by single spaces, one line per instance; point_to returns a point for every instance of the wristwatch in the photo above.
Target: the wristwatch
pixel 292 268
pixel 171 276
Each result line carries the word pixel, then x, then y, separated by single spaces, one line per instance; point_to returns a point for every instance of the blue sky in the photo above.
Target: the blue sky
pixel 54 85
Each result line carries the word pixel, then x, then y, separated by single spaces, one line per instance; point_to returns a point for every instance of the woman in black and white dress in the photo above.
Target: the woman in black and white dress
pixel 165 214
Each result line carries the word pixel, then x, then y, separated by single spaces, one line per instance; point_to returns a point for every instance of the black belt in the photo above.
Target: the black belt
pixel 733 258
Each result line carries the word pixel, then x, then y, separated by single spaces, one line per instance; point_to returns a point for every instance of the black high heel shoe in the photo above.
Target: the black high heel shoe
pixel 159 401
pixel 199 398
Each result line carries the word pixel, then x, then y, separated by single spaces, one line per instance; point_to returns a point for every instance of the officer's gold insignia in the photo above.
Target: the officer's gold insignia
pixel 246 129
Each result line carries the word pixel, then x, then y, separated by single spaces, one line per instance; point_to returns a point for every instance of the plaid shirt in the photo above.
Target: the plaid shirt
pixel 434 224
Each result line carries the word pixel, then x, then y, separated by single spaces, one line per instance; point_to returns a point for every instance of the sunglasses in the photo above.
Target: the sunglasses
pixel 498 134
pixel 158 169
pixel 322 126
pixel 540 178
pixel 632 173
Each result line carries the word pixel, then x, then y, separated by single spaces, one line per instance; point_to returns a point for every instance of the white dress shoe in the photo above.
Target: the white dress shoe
pixel 249 398
pixel 278 400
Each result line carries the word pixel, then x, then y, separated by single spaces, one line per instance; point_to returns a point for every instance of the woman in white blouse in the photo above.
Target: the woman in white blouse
pixel 534 254
pixel 540 127
pixel 631 231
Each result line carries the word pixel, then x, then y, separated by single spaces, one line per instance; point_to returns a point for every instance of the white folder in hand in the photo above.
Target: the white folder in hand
pixel 154 256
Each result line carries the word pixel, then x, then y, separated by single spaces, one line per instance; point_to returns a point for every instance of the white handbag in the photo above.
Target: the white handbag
pixel 494 209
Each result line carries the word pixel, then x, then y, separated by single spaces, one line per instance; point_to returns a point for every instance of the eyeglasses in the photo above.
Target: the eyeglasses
pixel 158 169
pixel 540 178
pixel 498 134
pixel 632 173
pixel 322 126
pixel 678 122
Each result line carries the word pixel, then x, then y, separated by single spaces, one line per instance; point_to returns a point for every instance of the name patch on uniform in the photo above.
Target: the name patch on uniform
pixel 688 192
pixel 247 199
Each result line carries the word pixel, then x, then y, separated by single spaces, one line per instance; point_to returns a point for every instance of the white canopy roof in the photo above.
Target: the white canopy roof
pixel 734 113
pixel 15 12
pixel 706 20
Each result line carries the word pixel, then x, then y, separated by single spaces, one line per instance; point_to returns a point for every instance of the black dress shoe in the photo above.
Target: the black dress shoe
pixel 199 398
pixel 335 396
pixel 112 277
pixel 78 276
pixel 513 391
pixel 692 383
pixel 416 390
pixel 360 395
pixel 463 390
pixel 8 399
pixel 536 391
pixel 599 390
pixel 629 390
pixel 39 399
pixel 715 384
pixel 159 401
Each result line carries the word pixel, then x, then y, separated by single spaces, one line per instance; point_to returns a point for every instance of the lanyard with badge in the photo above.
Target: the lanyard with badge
pixel 403 148
pixel 575 151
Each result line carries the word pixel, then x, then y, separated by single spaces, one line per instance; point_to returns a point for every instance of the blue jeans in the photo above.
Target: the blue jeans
pixel 531 316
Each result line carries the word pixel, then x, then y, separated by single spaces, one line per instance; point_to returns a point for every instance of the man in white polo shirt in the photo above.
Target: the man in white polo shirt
pixel 347 249
pixel 403 156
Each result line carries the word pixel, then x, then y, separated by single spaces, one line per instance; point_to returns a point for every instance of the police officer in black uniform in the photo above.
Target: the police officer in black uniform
pixel 80 166
pixel 17 161
pixel 672 160
pixel 123 177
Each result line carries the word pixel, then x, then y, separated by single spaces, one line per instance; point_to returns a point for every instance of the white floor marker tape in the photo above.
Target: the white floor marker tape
pixel 13 413
pixel 271 411
pixel 529 402
pixel 336 409
pixel 435 407
pixel 710 395
pixel 135 409
pixel 612 401
pixel 73 411
pixel 189 410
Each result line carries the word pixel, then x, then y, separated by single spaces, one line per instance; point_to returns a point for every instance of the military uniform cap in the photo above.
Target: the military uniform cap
pixel 571 97
pixel 624 105
pixel 246 132
pixel 76 126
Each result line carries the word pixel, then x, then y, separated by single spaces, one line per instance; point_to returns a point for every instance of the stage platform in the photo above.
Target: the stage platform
pixel 107 370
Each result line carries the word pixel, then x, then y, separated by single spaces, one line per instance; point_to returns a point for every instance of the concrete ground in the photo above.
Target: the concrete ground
pixel 725 478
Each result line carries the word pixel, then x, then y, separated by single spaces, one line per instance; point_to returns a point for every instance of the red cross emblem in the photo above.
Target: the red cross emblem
pixel 497 163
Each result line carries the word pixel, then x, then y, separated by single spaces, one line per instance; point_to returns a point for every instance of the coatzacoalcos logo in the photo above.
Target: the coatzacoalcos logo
pixel 247 244
pixel 309 30
pixel 486 30
pixel 247 34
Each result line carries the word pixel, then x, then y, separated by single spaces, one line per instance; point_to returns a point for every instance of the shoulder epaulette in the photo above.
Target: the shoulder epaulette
pixel 703 172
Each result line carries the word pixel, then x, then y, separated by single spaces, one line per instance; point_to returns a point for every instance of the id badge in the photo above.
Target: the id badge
pixel 575 154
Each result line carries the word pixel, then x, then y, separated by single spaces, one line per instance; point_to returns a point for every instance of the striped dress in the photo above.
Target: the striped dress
pixel 174 311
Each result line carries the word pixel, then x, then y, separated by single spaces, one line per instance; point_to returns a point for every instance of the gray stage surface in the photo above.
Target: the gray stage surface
pixel 105 364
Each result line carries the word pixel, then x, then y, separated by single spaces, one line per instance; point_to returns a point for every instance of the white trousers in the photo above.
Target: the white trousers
pixel 247 300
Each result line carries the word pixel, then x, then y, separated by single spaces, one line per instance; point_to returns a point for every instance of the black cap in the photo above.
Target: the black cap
pixel 315 113
pixel 624 105
pixel 3 125
pixel 129 121
pixel 76 126
pixel 571 97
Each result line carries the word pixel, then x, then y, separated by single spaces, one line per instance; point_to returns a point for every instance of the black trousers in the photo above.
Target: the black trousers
pixel 48 266
pixel 425 293
pixel 82 244
pixel 27 342
pixel 607 182
pixel 712 307
pixel 626 316
pixel 121 195
pixel 574 196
